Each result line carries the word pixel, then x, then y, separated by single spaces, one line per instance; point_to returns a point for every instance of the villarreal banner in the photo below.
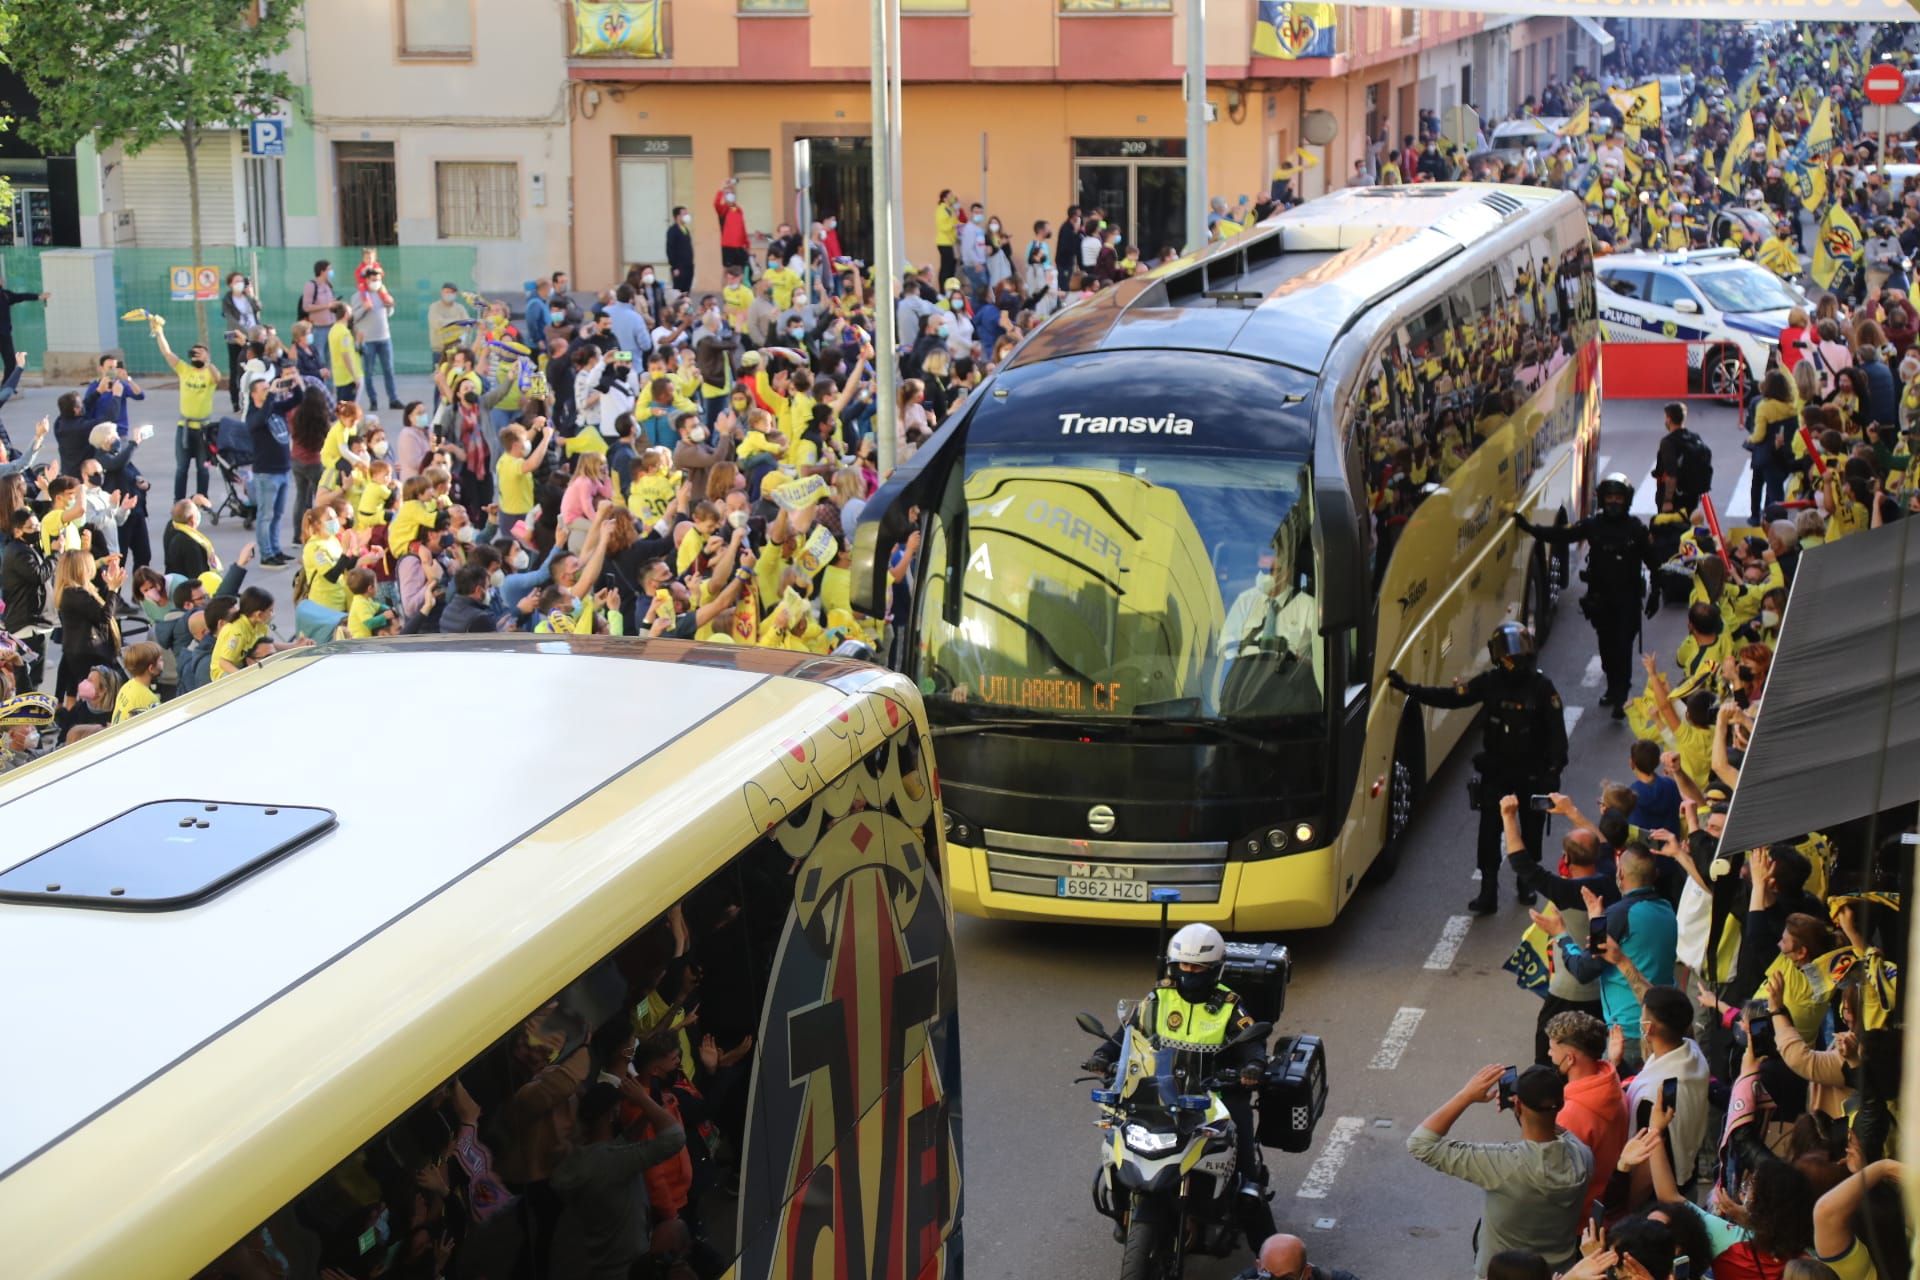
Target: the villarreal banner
pixel 1289 30
pixel 1838 247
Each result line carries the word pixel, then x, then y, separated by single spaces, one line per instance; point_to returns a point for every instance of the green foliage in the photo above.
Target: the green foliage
pixel 135 71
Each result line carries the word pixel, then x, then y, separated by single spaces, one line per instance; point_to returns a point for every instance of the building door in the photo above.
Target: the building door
pixel 1141 186
pixel 843 189
pixel 369 200
pixel 1409 115
pixel 646 207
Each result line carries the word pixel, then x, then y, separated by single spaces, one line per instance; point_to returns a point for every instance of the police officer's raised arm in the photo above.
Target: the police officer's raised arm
pixel 1469 693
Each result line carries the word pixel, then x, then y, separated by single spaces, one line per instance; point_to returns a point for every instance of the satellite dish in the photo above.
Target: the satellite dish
pixel 1319 127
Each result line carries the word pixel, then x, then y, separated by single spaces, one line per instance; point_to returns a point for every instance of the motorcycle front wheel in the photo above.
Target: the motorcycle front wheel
pixel 1141 1261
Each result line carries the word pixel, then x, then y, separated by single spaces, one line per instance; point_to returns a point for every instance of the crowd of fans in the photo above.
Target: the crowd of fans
pixel 1716 1053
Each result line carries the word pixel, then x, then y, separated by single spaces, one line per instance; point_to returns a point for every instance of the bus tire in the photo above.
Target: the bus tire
pixel 1542 595
pixel 1405 780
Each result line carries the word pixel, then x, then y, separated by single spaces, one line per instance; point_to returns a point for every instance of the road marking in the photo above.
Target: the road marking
pixel 1593 675
pixel 1572 715
pixel 1399 1035
pixel 1326 1168
pixel 1451 936
pixel 1646 498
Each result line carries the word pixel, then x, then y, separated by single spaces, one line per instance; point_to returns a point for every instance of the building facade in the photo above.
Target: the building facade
pixel 1025 105
pixel 416 122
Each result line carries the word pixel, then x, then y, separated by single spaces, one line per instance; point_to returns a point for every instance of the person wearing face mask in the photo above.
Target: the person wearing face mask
pixel 733 226
pixel 326 561
pixel 1618 547
pixel 240 310
pixel 1194 1013
pixel 650 293
pixel 680 248
pixel 444 317
pixel 198 382
pixel 316 301
pixel 100 510
pixel 630 329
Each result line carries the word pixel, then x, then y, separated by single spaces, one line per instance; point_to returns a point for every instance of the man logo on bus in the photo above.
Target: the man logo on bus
pixel 1165 425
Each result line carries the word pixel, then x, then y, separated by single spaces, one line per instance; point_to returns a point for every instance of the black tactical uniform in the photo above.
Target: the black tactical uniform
pixel 1618 545
pixel 1523 744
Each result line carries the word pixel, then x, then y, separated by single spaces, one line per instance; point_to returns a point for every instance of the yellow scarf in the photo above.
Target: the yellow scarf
pixel 213 557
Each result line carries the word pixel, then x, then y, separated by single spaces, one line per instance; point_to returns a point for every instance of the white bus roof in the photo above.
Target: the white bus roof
pixel 437 756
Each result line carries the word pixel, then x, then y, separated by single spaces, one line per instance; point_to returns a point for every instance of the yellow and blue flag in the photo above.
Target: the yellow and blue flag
pixel 1288 29
pixel 1838 246
pixel 1639 105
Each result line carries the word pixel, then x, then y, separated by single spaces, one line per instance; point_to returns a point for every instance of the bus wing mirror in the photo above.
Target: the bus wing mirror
pixel 1336 545
pixel 920 482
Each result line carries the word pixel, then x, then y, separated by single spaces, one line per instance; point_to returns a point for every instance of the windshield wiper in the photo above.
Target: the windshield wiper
pixel 1208 725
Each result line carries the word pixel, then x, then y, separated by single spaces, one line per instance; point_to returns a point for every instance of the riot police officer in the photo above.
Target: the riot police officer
pixel 1194 1013
pixel 1618 545
pixel 1523 745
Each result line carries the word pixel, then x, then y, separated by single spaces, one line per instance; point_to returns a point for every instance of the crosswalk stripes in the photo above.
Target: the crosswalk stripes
pixel 1730 493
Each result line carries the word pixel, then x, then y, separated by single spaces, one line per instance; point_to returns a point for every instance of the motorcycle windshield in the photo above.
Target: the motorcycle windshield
pixel 1147 1077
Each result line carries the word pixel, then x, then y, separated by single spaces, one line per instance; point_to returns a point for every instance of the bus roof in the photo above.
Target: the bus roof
pixel 1286 289
pixel 462 834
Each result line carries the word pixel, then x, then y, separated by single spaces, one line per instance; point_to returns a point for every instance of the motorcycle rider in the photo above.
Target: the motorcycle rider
pixel 1777 253
pixel 1523 744
pixel 1193 1012
pixel 1618 544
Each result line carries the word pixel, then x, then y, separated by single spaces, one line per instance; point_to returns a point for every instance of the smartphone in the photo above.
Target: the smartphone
pixel 1598 1216
pixel 1682 1267
pixel 1670 1093
pixel 1596 933
pixel 1760 1031
pixel 1509 1082
pixel 1541 804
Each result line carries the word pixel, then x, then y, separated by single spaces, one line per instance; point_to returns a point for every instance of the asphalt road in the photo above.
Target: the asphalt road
pixel 1404 1022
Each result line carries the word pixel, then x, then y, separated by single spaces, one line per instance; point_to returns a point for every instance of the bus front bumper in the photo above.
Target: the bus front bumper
pixel 1258 896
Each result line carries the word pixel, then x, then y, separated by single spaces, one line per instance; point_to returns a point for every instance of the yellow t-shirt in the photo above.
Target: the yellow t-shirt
pixel 345 357
pixel 316 558
pixel 1695 746
pixel 784 282
pixel 649 497
pixel 799 417
pixel 196 390
pixel 1855 1264
pixel 134 698
pixel 737 298
pixel 371 511
pixel 365 616
pixel 412 516
pixel 330 447
pixel 754 445
pixel 515 489
pixel 235 641
pixel 58 533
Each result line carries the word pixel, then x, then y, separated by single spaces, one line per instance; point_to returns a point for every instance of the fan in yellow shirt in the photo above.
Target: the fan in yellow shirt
pixel 784 282
pixel 513 490
pixel 142 662
pixel 366 616
pixel 651 492
pixel 370 509
pixel 343 355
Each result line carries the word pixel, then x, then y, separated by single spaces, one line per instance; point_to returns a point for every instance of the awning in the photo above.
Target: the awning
pixel 1593 28
pixel 1839 737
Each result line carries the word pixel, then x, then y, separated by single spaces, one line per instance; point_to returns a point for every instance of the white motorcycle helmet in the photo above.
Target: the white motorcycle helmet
pixel 1196 944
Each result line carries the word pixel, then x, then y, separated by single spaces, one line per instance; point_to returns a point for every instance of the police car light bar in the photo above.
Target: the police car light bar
pixel 1698 255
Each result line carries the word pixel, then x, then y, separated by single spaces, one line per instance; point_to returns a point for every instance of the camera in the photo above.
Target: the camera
pixel 1760 1036
pixel 1509 1084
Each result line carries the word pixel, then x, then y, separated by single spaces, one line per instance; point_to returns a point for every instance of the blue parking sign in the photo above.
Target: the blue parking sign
pixel 267 137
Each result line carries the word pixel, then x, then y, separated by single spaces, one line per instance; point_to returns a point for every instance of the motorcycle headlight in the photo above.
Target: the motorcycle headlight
pixel 1148 1141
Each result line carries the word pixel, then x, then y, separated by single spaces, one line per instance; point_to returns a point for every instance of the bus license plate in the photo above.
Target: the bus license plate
pixel 1101 890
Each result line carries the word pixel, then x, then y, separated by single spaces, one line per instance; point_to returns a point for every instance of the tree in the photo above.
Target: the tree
pixel 135 71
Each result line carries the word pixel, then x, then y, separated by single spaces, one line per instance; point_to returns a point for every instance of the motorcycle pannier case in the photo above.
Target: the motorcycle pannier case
pixel 1294 1094
pixel 1258 973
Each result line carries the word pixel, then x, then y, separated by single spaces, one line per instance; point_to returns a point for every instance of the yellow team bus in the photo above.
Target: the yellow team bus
pixel 1171 548
pixel 289 999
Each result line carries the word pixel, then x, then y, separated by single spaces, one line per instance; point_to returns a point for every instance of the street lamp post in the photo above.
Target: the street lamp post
pixel 1196 126
pixel 886 256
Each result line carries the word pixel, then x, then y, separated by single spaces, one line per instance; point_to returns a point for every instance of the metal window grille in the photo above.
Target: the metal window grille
pixel 478 201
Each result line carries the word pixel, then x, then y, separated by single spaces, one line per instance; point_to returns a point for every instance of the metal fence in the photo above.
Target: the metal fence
pixel 142 278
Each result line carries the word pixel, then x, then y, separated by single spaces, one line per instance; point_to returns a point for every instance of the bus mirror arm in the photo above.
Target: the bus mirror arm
pixel 920 482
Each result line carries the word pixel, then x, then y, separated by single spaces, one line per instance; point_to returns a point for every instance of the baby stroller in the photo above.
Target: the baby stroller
pixel 233 456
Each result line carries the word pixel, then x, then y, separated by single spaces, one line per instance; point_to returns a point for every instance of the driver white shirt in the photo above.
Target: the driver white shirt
pixel 1258 613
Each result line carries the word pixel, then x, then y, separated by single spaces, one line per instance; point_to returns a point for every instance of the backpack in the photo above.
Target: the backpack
pixel 1693 468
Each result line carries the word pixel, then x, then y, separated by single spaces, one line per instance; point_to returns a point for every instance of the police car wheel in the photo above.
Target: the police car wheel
pixel 1724 374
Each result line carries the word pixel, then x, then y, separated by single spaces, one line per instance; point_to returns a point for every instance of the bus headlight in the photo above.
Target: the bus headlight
pixel 1304 834
pixel 1276 840
pixel 959 829
pixel 1280 840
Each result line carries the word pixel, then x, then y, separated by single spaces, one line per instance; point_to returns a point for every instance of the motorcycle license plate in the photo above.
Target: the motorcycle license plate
pixel 1100 890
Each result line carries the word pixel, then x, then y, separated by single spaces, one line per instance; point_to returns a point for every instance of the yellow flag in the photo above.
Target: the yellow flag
pixel 1594 193
pixel 1634 167
pixel 1838 246
pixel 1813 186
pixel 1699 117
pixel 1820 132
pixel 1736 151
pixel 1578 125
pixel 1773 145
pixel 1749 85
pixel 1639 105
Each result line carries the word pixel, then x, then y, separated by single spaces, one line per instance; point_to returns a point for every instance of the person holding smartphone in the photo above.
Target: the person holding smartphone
pixel 1581 848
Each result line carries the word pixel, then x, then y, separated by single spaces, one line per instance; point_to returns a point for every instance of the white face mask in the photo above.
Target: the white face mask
pixel 519 561
pixel 379 448
pixel 729 197
pixel 646 277
pixel 697 434
pixel 497 579
pixel 1769 618
pixel 448 297
pixel 238 286
pixel 465 533
pixel 685 218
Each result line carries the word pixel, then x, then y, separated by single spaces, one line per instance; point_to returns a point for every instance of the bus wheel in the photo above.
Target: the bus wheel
pixel 1403 792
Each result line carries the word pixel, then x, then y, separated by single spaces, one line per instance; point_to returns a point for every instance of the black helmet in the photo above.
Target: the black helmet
pixel 1511 646
pixel 1614 485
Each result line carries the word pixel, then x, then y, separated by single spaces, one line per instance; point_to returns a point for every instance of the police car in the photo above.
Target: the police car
pixel 1729 310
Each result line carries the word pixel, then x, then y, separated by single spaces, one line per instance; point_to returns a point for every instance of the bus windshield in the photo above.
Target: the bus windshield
pixel 1157 585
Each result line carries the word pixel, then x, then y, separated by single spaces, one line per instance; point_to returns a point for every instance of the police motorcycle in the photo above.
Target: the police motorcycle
pixel 1169 1175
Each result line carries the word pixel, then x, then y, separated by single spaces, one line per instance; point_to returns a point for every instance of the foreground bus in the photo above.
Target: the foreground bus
pixel 1173 546
pixel 253 1020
